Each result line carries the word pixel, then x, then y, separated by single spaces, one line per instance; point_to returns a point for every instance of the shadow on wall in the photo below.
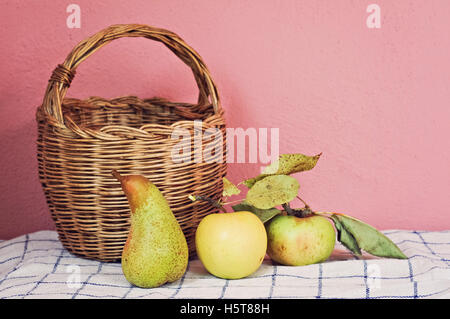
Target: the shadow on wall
pixel 23 205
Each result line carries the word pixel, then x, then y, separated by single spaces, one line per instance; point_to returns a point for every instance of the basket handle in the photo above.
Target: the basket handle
pixel 63 74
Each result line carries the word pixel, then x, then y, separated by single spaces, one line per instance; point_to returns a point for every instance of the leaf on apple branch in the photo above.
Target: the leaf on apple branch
pixel 229 189
pixel 272 191
pixel 285 165
pixel 356 235
pixel 263 214
pixel 346 238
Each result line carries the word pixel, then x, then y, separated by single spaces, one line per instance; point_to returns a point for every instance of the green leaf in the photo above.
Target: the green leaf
pixel 285 165
pixel 368 238
pixel 272 191
pixel 345 237
pixel 263 214
pixel 291 163
pixel 251 181
pixel 229 189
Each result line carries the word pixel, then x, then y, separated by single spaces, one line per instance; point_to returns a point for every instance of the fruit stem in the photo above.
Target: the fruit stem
pixel 232 202
pixel 117 175
pixel 304 203
pixel 211 201
pixel 300 212
pixel 288 209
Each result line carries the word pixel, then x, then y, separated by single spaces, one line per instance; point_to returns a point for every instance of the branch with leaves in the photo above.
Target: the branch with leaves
pixel 274 187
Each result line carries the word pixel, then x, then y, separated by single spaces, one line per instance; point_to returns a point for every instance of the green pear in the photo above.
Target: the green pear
pixel 295 241
pixel 156 251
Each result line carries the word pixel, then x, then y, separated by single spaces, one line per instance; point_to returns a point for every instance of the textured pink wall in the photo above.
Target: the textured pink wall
pixel 374 101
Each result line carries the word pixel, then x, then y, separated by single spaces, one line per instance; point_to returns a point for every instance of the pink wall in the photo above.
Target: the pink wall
pixel 374 101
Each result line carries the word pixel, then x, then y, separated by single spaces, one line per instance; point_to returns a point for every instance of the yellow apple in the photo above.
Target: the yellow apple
pixel 231 245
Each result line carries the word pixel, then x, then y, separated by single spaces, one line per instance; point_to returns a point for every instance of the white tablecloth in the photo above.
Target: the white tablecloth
pixel 37 266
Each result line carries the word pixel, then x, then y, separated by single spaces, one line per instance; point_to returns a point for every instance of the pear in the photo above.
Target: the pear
pixel 156 250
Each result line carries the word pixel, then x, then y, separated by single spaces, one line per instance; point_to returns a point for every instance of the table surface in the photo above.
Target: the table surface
pixel 37 266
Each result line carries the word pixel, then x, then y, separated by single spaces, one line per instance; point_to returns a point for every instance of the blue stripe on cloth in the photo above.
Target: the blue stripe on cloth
pixel 27 241
pixel 274 277
pixel 389 232
pixel 18 285
pixel 386 296
pixel 87 279
pixel 36 257
pixel 411 278
pixel 286 297
pixel 9 259
pixel 177 290
pixel 418 242
pixel 415 290
pixel 411 274
pixel 223 289
pixel 85 283
pixel 413 297
pixel 319 285
pixel 270 275
pixel 365 279
pixel 429 248
pixel 21 277
pixel 128 292
pixel 61 293
pixel 46 275
pixel 25 247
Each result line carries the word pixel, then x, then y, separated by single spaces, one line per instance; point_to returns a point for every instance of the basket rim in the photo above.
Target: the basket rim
pixel 189 112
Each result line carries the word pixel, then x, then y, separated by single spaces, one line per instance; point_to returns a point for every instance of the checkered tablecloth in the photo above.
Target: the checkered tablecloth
pixel 37 266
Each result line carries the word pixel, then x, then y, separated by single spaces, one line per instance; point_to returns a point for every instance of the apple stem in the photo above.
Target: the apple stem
pixel 299 212
pixel 304 203
pixel 288 209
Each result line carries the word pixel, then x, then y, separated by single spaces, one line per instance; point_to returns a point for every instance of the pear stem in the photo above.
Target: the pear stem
pixel 117 175
pixel 211 201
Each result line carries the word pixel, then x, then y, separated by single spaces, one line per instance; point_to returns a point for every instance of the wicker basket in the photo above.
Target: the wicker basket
pixel 81 141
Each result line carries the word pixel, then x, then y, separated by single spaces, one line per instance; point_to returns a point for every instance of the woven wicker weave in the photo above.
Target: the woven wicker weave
pixel 81 141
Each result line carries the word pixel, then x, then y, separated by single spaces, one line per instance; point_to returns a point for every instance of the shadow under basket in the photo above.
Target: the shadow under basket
pixel 81 141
